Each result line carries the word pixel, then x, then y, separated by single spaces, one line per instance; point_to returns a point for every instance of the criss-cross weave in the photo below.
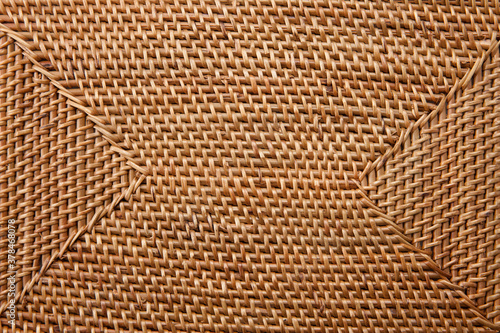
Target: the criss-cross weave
pixel 443 186
pixel 58 175
pixel 242 166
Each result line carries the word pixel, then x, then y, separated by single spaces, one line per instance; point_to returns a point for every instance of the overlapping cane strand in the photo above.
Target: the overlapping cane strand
pixel 251 166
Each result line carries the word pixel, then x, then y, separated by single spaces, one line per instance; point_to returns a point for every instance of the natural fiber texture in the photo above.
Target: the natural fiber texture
pixel 248 126
pixel 57 173
pixel 443 186
pixel 153 265
pixel 346 76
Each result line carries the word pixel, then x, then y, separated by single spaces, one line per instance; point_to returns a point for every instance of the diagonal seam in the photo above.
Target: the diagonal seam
pixel 369 175
pixel 381 160
pixel 94 215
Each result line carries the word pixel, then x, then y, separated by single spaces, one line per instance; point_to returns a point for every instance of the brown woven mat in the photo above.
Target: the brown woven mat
pixel 218 189
pixel 352 75
pixel 443 186
pixel 156 265
pixel 58 175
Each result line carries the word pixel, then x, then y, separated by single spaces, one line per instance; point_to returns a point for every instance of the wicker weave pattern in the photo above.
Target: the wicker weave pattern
pixel 350 76
pixel 153 266
pixel 444 187
pixel 247 126
pixel 57 173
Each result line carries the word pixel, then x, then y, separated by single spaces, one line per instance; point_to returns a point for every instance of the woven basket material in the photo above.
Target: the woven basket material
pixel 153 266
pixel 348 76
pixel 58 175
pixel 221 187
pixel 443 186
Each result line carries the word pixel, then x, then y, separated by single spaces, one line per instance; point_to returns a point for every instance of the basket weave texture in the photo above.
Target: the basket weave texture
pixel 443 186
pixel 251 166
pixel 58 175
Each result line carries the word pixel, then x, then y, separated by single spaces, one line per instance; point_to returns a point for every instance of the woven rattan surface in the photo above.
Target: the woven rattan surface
pixel 242 166
pixel 348 76
pixel 443 186
pixel 58 175
pixel 154 266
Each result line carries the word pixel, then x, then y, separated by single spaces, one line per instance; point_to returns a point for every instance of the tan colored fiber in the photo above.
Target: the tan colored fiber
pixel 443 186
pixel 154 264
pixel 57 173
pixel 232 158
